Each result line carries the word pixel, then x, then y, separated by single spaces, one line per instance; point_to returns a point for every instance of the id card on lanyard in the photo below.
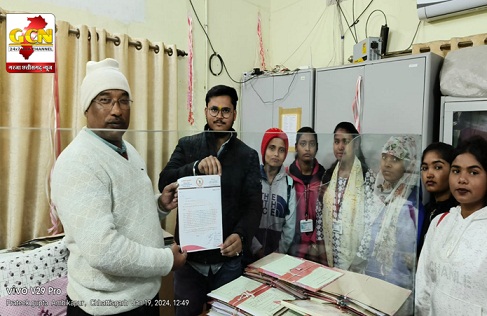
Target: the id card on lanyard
pixel 337 227
pixel 306 225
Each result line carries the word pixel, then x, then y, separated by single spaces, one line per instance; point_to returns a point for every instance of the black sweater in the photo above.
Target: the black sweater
pixel 240 185
pixel 432 209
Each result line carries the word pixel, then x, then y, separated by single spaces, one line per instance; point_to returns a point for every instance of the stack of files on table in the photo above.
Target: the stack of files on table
pixel 280 284
pixel 245 296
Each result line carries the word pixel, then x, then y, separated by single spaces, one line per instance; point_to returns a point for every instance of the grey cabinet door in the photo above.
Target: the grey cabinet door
pixel 399 96
pixel 295 91
pixel 257 104
pixel 394 97
pixel 263 96
pixel 335 92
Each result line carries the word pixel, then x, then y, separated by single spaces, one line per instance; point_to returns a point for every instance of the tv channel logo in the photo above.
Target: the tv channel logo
pixel 31 46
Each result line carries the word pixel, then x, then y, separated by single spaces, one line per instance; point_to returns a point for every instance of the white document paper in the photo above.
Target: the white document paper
pixel 314 307
pixel 290 126
pixel 200 213
pixel 303 273
pixel 251 296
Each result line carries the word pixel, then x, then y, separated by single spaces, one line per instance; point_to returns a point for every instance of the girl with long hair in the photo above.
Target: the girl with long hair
pixel 346 183
pixel 306 172
pixel 452 270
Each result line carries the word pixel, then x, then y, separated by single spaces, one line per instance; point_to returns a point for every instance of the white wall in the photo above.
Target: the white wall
pixel 288 33
pixel 293 20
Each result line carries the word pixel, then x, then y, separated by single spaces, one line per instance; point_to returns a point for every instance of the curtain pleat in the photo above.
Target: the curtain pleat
pixel 28 115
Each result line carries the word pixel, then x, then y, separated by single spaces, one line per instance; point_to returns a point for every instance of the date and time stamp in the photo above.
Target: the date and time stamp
pixel 56 301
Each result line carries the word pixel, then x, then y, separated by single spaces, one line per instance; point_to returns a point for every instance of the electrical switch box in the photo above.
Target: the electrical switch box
pixel 368 49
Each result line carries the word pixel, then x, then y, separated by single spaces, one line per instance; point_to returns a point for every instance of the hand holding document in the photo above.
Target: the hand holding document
pixel 200 213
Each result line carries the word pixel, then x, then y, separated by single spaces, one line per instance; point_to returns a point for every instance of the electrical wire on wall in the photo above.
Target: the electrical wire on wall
pixel 342 36
pixel 337 49
pixel 309 33
pixel 294 73
pixel 407 50
pixel 414 36
pixel 367 22
pixel 355 21
pixel 215 55
pixel 346 21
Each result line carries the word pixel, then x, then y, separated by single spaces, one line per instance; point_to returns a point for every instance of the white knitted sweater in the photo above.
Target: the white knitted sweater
pixel 110 216
pixel 452 268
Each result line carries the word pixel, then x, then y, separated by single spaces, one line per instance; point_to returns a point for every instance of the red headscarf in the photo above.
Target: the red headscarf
pixel 271 133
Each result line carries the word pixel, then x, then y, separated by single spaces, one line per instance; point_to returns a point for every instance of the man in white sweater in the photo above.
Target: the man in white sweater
pixel 106 203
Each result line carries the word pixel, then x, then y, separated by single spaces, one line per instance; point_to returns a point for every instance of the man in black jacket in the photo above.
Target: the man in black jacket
pixel 217 151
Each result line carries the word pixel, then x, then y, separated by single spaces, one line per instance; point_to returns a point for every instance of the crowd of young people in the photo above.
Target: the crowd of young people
pixel 374 222
pixel 347 216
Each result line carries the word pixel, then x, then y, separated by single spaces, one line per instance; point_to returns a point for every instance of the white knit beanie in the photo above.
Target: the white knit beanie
pixel 100 76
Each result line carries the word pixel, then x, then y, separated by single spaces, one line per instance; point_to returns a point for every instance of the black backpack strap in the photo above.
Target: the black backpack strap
pixel 290 186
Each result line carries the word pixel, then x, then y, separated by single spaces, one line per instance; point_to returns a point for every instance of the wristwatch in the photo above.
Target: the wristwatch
pixel 196 171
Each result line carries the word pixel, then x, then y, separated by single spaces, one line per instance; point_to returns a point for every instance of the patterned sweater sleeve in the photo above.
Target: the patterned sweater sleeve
pixel 83 199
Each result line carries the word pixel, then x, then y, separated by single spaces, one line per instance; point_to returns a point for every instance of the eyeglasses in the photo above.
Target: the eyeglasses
pixel 108 103
pixel 214 110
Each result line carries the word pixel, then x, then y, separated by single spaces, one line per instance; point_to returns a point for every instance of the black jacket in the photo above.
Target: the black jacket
pixel 240 185
pixel 432 209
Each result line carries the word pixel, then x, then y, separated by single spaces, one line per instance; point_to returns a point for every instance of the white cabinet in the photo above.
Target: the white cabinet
pixel 461 118
pixel 398 96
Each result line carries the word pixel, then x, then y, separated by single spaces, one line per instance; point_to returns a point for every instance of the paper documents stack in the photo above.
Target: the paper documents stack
pixel 245 296
pixel 343 292
pixel 274 279
pixel 280 284
pixel 308 275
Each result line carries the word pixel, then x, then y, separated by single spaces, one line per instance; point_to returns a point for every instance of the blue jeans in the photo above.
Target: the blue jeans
pixel 192 286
